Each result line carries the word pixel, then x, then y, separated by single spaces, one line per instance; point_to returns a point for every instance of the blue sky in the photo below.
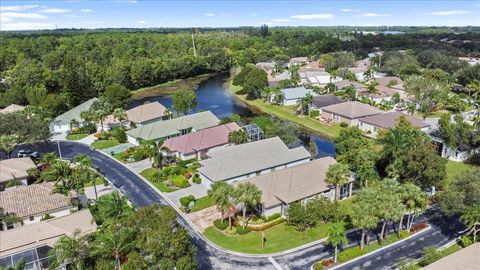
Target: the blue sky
pixel 26 15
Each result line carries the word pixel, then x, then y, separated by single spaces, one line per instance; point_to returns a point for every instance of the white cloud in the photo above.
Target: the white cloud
pixel 9 16
pixel 142 22
pixel 55 10
pixel 281 20
pixel 209 14
pixel 372 14
pixel 25 26
pixel 321 16
pixel 349 10
pixel 132 1
pixel 86 10
pixel 17 8
pixel 449 12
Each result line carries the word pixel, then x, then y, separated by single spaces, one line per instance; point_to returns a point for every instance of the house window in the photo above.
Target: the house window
pixel 31 218
pixel 336 117
pixel 10 226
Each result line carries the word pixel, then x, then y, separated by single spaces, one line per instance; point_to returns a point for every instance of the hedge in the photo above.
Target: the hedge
pixel 273 217
pixel 267 225
pixel 314 113
pixel 242 231
pixel 343 125
pixel 221 226
pixel 185 201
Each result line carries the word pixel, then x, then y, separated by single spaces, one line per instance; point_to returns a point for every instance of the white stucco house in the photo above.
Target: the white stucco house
pixel 373 124
pixel 61 123
pixel 15 169
pixel 292 95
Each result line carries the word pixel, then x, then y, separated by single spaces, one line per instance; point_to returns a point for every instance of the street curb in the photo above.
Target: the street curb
pixel 378 250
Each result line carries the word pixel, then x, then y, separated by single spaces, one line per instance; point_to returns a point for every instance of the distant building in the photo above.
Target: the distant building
pixel 298 61
pixel 15 169
pixel 140 115
pixel 31 202
pixel 349 112
pixel 61 123
pixel 12 108
pixel 292 95
pixel 373 124
pixel 459 154
pixel 250 159
pixel 471 60
pixel 325 100
pixel 299 183
pixel 381 94
pixel 197 144
pixel 162 130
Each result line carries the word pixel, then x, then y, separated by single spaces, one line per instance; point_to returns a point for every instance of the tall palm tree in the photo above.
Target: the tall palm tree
pixel 304 103
pixel 113 206
pixel 116 242
pixel 338 175
pixel 389 205
pixel 120 115
pixel 224 196
pixel 69 251
pixel 154 151
pixel 8 143
pixel 86 172
pixel 336 236
pixel 471 218
pixel 413 200
pixel 49 158
pixel 248 195
pixel 237 137
pixel 364 213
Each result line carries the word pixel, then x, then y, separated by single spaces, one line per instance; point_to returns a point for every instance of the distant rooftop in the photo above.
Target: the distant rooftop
pixel 352 109
pixel 15 168
pixel 296 93
pixel 12 108
pixel 390 120
pixel 66 117
pixel 325 100
pixel 142 113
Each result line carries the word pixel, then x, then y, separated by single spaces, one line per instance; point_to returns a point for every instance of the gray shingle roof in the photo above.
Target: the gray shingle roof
pixel 390 119
pixel 296 93
pixel 238 160
pixel 351 109
pixel 325 100
pixel 66 117
pixel 172 127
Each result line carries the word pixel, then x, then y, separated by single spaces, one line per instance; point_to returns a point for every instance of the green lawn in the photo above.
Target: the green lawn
pixel 98 181
pixel 104 144
pixel 148 173
pixel 288 113
pixel 278 238
pixel 347 205
pixel 202 203
pixel 451 249
pixel 456 168
pixel 74 137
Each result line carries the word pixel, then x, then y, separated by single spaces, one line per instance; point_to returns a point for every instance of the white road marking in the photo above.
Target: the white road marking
pixel 277 266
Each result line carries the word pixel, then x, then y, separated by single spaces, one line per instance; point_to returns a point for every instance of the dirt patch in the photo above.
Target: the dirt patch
pixel 204 218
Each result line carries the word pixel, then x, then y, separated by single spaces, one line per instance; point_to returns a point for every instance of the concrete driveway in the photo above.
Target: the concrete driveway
pixel 197 190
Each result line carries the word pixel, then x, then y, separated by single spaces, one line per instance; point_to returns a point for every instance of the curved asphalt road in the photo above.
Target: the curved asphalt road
pixel 208 257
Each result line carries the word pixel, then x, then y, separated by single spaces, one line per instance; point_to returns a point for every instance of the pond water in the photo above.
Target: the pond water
pixel 213 95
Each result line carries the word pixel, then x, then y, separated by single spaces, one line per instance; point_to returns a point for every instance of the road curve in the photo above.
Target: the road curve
pixel 209 257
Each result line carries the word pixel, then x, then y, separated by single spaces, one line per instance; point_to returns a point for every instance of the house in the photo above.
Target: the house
pixel 299 183
pixel 197 144
pixel 348 112
pixel 61 123
pixel 33 242
pixel 15 169
pixel 466 259
pixel 339 85
pixel 12 108
pixel 30 203
pixel 292 95
pixel 373 124
pixel 140 115
pixel 359 72
pixel 459 154
pixel 273 79
pixel 167 129
pixel 268 67
pixel 325 100
pixel 391 81
pixel 251 159
pixel 298 61
pixel 317 78
pixel 382 94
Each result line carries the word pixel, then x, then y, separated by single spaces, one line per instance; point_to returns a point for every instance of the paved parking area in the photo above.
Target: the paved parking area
pixel 204 218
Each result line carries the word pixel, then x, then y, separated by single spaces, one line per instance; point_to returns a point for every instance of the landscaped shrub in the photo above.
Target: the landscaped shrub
pixel 196 179
pixel 180 181
pixel 343 125
pixel 103 135
pixel 314 113
pixel 185 201
pixel 187 175
pixel 273 217
pixel 267 225
pixel 317 266
pixel 46 216
pixel 404 234
pixel 220 225
pixel 119 135
pixel 327 262
pixel 88 128
pixel 242 231
pixel 350 253
pixel 430 255
pixel 465 241
pixel 418 227
pixel 139 154
pixel 315 211
pixel 231 230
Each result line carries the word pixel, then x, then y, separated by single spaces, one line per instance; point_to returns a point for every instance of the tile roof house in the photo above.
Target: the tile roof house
pixel 31 202
pixel 297 61
pixel 12 108
pixel 348 112
pixel 372 124
pixel 44 233
pixel 243 161
pixel 298 183
pixel 325 100
pixel 61 123
pixel 344 83
pixel 173 127
pixel 15 169
pixel 197 144
pixel 140 115
pixel 292 95
pixel 383 93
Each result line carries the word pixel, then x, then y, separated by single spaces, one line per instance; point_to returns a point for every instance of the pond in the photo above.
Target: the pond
pixel 213 95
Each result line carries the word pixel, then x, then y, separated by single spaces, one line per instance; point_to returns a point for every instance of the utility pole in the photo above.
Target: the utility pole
pixel 193 45
pixel 59 151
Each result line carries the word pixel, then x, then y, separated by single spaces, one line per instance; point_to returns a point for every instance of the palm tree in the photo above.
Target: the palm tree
pixel 278 96
pixel 266 94
pixel 86 172
pixel 411 108
pixel 389 205
pixel 224 196
pixel 116 242
pixel 413 200
pixel 304 103
pixel 8 218
pixel 248 195
pixel 154 151
pixel 8 143
pixel 49 158
pixel 237 137
pixel 372 87
pixel 68 251
pixel 336 236
pixel 73 124
pixel 471 218
pixel 113 206
pixel 338 175
pixel 120 115
pixel 364 213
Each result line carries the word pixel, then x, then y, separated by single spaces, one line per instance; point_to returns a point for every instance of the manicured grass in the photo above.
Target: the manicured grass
pixel 148 173
pixel 74 137
pixel 287 113
pixel 104 144
pixel 278 238
pixel 347 205
pixel 180 181
pixel 456 168
pixel 451 249
pixel 97 182
pixel 202 203
pixel 120 156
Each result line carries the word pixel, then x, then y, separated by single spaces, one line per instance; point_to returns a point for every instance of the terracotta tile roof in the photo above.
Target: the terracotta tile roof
pixel 45 232
pixel 142 113
pixel 202 139
pixel 15 168
pixel 31 200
